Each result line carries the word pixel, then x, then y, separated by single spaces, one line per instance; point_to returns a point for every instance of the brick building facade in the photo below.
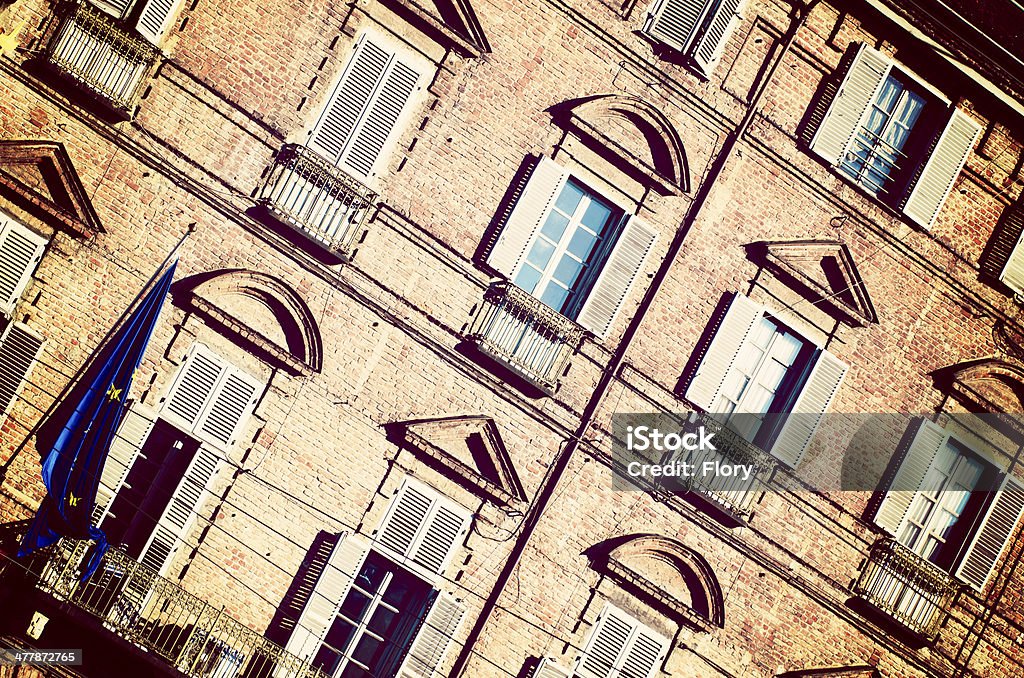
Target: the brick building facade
pixel 428 250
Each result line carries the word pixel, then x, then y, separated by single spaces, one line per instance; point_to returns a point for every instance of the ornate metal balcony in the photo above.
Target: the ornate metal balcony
pixel 90 47
pixel 905 586
pixel 318 199
pixel 524 334
pixel 733 493
pixel 191 635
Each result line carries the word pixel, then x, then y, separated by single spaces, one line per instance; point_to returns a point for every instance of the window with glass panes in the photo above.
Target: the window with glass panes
pixel 576 230
pixel 762 377
pixel 374 623
pixel 935 525
pixel 878 151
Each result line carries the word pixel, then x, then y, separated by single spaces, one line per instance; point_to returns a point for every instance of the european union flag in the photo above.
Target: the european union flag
pixel 75 438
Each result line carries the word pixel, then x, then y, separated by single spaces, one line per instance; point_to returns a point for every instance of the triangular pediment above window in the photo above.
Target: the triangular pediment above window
pixel 451 22
pixel 39 176
pixel 469 448
pixel 823 271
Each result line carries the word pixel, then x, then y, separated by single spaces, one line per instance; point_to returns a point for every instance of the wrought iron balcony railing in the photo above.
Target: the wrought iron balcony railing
pixel 524 334
pixel 191 635
pixel 905 586
pixel 317 198
pixel 111 61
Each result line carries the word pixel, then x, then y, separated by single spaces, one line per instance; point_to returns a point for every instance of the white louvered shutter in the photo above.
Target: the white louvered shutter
pixel 365 106
pixel 125 448
pixel 917 459
pixel 710 44
pixel 1008 247
pixel 228 410
pixel 194 386
pixel 721 353
pixel 20 252
pixel 673 22
pixel 859 88
pixel 19 349
pixel 621 646
pixel 116 8
pixel 809 408
pixel 184 504
pixel 433 639
pixel 532 206
pixel 548 668
pixel 616 278
pixel 941 169
pixel 328 592
pixel 991 537
pixel 155 17
pixel 421 528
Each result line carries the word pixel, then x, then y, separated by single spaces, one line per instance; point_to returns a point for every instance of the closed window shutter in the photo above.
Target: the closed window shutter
pixel 229 409
pixel 711 42
pixel 433 639
pixel 547 668
pixel 941 169
pixel 177 517
pixel 992 536
pixel 546 181
pixel 194 386
pixel 19 349
pixel 917 458
pixel 383 113
pixel 1006 256
pixel 616 278
pixel 721 353
pixel 809 408
pixel 860 85
pixel 116 8
pixel 155 17
pixel 124 450
pixel 621 646
pixel 673 21
pixel 645 654
pixel 20 252
pixel 330 589
pixel 422 528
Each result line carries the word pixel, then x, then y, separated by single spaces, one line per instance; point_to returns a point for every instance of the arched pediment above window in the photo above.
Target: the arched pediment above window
pixel 634 135
pixel 985 385
pixel 665 574
pixel 259 312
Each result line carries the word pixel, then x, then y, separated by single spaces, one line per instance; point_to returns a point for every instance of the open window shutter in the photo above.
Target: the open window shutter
pixel 674 21
pixel 532 206
pixel 349 99
pixel 433 638
pixel 711 42
pixel 815 397
pixel 917 459
pixel 194 385
pixel 228 410
pixel 646 652
pixel 379 121
pixel 616 277
pixel 721 353
pixel 606 644
pixel 124 450
pixel 184 503
pixel 155 17
pixel 18 352
pixel 547 668
pixel 20 252
pixel 330 589
pixel 1005 258
pixel 941 169
pixel 864 78
pixel 116 8
pixel 991 537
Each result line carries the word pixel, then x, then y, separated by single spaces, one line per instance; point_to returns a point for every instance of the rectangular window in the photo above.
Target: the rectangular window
pixel 892 135
pixel 698 29
pixel 621 646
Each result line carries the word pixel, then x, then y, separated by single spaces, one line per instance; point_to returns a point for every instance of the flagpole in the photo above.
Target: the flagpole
pixel 85 364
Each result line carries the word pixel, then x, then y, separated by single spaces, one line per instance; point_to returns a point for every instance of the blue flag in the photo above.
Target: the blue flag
pixel 75 438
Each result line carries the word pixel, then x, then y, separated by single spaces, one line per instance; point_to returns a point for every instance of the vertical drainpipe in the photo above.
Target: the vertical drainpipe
pixel 798 17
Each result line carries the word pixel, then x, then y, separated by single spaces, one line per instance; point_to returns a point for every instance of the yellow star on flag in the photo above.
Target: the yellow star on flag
pixel 114 393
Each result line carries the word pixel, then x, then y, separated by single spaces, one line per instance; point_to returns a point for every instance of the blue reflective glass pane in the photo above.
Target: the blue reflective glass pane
pixel 568 271
pixel 555 296
pixel 596 216
pixel 527 278
pixel 569 198
pixel 582 244
pixel 540 253
pixel 554 225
